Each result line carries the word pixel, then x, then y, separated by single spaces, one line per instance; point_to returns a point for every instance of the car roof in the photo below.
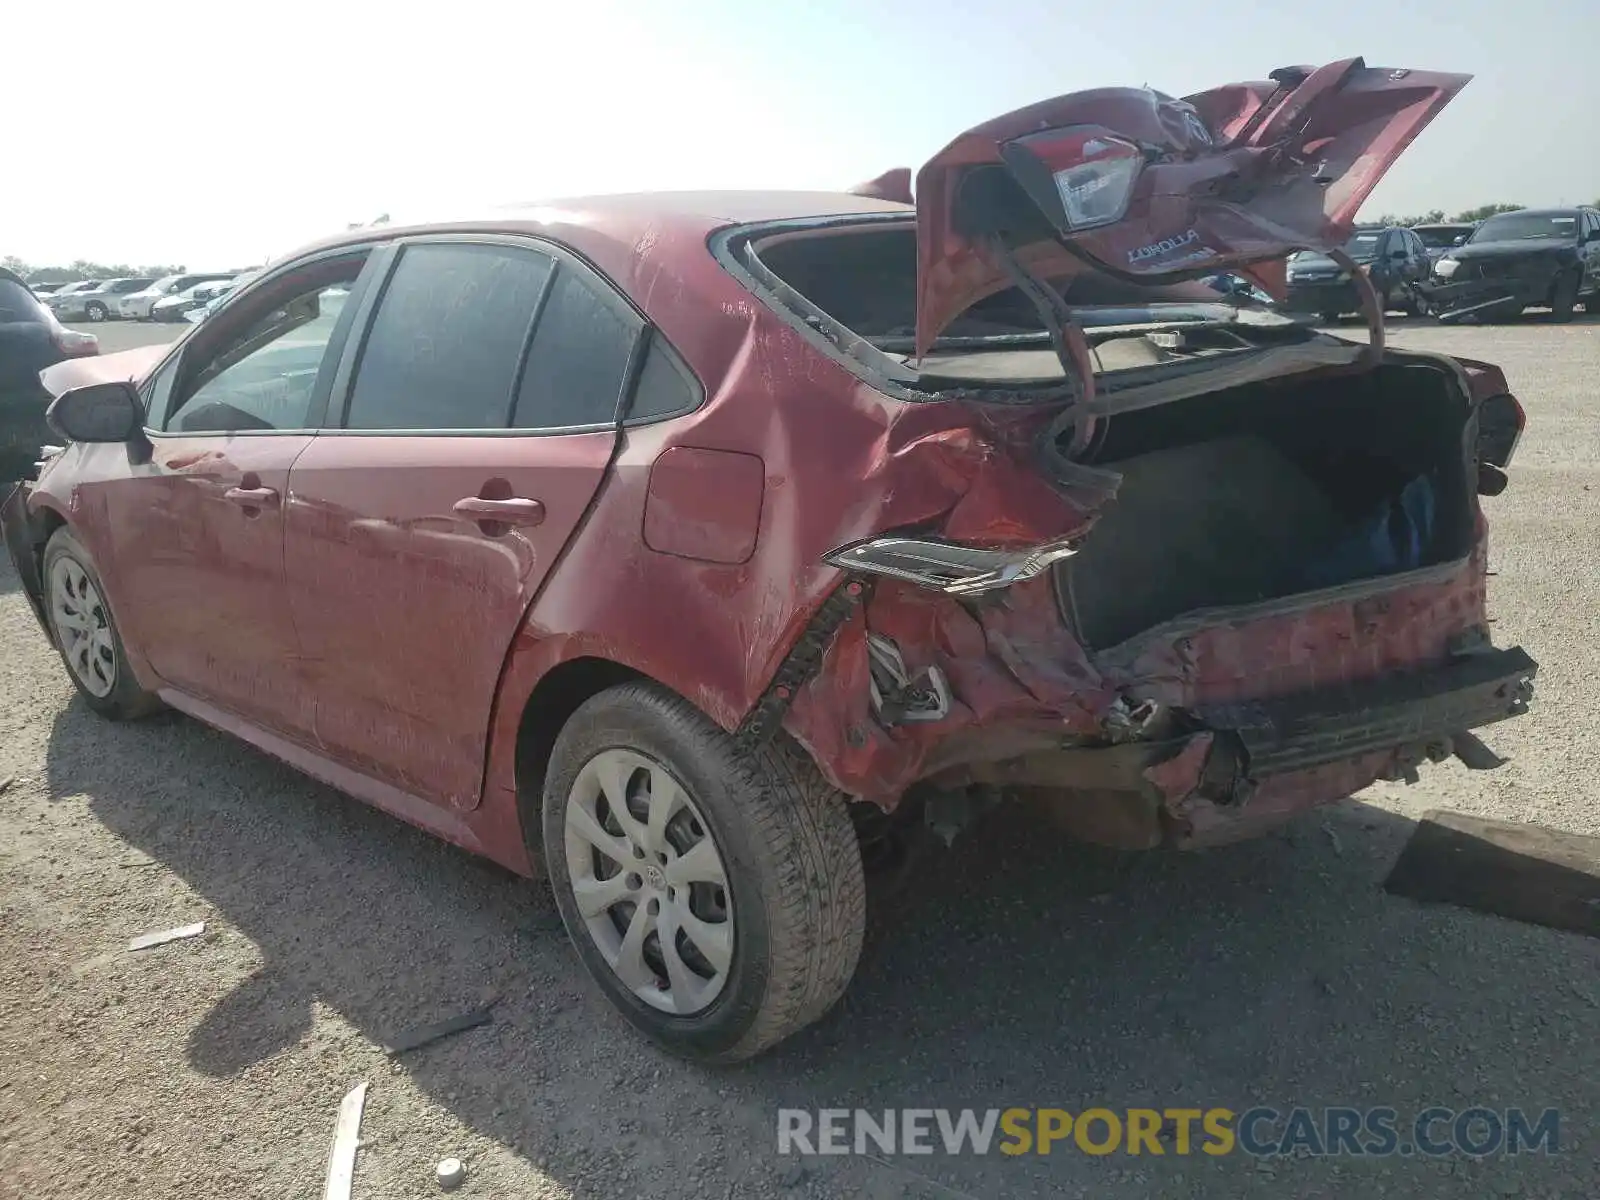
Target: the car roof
pixel 1542 212
pixel 627 223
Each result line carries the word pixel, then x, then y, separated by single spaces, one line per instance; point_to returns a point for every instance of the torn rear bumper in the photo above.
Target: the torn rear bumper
pixel 1243 768
pixel 1329 725
pixel 15 524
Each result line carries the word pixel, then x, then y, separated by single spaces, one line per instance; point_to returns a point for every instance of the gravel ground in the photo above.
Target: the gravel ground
pixel 1024 971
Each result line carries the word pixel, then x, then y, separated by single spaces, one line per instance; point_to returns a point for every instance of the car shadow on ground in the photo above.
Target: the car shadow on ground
pixel 1021 971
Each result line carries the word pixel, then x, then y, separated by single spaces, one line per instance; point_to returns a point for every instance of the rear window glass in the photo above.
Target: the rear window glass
pixel 1364 244
pixel 578 361
pixel 1516 227
pixel 444 347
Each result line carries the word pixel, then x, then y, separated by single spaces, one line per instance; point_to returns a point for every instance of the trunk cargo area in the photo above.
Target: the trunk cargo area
pixel 1269 491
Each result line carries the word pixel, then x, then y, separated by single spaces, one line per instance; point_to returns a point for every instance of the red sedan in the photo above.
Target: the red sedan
pixel 694 550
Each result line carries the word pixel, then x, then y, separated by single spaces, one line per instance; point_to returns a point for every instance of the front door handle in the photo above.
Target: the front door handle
pixel 512 511
pixel 252 497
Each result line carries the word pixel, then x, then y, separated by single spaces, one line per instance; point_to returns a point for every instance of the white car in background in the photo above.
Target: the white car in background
pixel 214 294
pixel 137 305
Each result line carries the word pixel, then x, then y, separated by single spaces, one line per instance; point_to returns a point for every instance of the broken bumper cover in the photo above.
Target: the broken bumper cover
pixel 1244 768
pixel 14 522
pixel 1452 301
pixel 1299 732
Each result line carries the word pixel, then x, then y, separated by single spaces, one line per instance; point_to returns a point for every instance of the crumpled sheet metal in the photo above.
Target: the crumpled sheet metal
pixel 1010 664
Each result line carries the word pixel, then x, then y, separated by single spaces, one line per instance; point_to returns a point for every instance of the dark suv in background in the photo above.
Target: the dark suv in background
pixel 1395 258
pixel 1522 259
pixel 31 339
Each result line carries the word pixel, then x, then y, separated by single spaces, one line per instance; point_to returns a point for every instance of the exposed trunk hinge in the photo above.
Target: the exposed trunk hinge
pixel 1371 306
pixel 1066 337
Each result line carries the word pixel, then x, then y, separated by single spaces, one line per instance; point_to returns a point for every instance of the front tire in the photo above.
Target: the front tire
pixel 86 634
pixel 715 895
pixel 94 311
pixel 1564 297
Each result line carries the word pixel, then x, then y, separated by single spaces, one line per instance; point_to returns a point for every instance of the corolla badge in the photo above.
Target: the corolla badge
pixel 1168 247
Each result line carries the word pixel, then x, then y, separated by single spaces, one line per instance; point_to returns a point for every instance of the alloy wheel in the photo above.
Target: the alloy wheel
pixel 83 627
pixel 649 882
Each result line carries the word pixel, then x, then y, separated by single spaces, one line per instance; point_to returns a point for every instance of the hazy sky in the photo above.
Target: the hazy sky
pixel 219 133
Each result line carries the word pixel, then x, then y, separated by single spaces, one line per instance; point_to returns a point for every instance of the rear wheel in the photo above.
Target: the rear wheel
pixel 716 896
pixel 86 633
pixel 1564 296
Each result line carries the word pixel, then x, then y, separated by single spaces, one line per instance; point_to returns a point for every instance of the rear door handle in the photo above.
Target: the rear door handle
pixel 252 497
pixel 512 511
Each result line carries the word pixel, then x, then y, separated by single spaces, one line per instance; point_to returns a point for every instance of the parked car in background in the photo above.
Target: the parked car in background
pixel 704 547
pixel 98 303
pixel 55 299
pixel 226 289
pixel 137 305
pixel 31 339
pixel 45 289
pixel 177 306
pixel 1436 239
pixel 1522 259
pixel 1394 259
pixel 1237 287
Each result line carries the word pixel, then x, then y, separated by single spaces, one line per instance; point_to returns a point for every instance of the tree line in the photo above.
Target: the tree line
pixel 85 269
pixel 1436 216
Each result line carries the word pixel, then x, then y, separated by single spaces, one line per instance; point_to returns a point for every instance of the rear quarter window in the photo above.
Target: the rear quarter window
pixel 664 387
pixel 578 361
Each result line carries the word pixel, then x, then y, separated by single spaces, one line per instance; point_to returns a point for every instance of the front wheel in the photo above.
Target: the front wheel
pixel 95 311
pixel 1564 297
pixel 86 634
pixel 715 895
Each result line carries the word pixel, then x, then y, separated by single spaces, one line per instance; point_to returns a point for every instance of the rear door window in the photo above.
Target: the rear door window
pixel 578 361
pixel 446 342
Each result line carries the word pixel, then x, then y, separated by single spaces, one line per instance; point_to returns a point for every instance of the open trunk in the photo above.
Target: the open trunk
pixel 1261 492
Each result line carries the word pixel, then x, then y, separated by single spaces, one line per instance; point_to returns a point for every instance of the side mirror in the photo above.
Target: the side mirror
pixel 97 412
pixel 1461 240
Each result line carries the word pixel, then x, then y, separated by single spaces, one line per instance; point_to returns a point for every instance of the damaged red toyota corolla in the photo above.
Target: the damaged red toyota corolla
pixel 694 548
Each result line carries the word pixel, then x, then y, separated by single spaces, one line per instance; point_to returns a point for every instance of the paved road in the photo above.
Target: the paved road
pixel 1024 972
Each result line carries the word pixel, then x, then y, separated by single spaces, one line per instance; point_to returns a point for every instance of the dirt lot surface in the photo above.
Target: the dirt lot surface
pixel 1022 972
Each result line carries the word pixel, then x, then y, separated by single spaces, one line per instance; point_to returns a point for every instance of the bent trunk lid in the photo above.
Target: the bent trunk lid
pixel 1144 187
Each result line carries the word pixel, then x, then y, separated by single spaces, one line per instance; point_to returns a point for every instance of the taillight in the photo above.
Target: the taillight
pixel 74 344
pixel 1501 421
pixel 1082 177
